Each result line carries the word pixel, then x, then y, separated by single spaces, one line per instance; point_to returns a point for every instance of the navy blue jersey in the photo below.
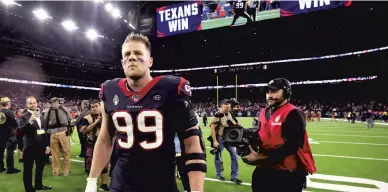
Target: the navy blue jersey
pixel 145 124
pixel 239 5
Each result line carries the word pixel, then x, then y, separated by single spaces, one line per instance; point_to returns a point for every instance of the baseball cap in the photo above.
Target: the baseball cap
pixel 226 101
pixel 54 99
pixel 276 84
pixel 4 100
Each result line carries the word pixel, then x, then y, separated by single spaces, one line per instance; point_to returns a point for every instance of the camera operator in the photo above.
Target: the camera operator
pixel 223 118
pixel 284 155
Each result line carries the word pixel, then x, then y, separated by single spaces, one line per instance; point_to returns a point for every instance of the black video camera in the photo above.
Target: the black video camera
pixel 241 138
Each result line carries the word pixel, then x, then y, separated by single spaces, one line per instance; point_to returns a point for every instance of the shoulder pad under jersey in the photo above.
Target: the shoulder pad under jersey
pixel 181 85
pixel 106 86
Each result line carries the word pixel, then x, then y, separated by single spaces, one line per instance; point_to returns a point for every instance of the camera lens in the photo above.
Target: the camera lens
pixel 233 135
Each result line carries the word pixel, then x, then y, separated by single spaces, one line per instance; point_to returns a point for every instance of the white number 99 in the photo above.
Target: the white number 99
pixel 128 128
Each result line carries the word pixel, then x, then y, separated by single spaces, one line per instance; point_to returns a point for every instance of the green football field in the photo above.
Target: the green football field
pixel 349 157
pixel 222 22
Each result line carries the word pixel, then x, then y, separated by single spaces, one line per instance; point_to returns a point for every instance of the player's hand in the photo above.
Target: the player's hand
pixel 216 144
pixel 47 150
pixel 91 185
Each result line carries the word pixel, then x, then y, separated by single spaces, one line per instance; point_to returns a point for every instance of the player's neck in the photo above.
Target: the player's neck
pixel 137 85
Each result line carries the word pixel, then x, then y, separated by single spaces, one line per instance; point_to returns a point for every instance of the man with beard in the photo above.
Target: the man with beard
pixel 285 156
pixel 143 114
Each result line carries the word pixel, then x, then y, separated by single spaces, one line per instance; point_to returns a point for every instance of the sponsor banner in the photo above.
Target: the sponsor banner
pixel 289 8
pixel 178 18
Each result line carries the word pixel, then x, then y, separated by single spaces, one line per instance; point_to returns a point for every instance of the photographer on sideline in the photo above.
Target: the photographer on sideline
pixel 223 118
pixel 284 155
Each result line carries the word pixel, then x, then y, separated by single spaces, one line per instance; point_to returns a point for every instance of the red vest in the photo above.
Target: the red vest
pixel 271 137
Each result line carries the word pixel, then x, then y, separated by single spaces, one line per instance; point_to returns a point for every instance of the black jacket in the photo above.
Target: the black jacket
pixel 31 137
pixel 7 124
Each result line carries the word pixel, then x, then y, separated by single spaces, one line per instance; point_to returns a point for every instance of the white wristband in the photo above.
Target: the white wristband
pixel 91 180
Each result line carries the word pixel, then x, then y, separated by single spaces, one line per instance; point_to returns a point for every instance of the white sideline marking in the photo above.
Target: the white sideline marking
pixel 375 136
pixel 354 143
pixel 350 157
pixel 377 123
pixel 328 130
pixel 381 185
pixel 344 157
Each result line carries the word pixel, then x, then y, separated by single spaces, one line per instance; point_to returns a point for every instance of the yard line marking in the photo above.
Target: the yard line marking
pixel 340 156
pixel 355 143
pixel 350 157
pixel 208 179
pixel 350 131
pixel 336 135
pixel 377 123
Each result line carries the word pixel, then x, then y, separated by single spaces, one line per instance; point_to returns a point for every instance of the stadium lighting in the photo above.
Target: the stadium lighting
pixel 108 7
pixel 92 34
pixel 116 13
pixel 69 25
pixel 130 24
pixel 41 14
pixel 9 2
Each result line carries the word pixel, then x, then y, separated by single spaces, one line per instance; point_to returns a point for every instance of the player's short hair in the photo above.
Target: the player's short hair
pixel 139 38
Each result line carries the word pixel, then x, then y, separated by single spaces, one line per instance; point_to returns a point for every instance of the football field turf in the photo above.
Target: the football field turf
pixel 222 22
pixel 349 157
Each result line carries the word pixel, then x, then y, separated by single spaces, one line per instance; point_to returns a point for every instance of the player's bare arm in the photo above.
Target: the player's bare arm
pixel 197 161
pixel 104 146
pixel 194 147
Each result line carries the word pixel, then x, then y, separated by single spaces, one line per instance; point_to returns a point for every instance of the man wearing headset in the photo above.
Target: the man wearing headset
pixel 284 157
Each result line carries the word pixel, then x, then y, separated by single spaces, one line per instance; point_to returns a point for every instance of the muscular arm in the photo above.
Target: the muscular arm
pixel 194 154
pixel 104 146
pixel 196 178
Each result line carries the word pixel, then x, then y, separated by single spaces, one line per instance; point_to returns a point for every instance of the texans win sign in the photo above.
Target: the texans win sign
pixel 178 18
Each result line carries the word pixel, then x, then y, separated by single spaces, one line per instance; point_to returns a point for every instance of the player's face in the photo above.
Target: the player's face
pixel 96 109
pixel 32 104
pixel 136 60
pixel 274 97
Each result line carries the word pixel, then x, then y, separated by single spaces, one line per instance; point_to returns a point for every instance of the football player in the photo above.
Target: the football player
pixel 143 114
pixel 239 8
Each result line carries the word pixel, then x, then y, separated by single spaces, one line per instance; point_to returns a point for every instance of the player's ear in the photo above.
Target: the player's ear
pixel 150 62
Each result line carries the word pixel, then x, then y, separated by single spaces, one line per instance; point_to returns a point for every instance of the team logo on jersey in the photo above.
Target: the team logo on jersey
pixel 188 89
pixel 157 97
pixel 3 118
pixel 135 98
pixel 116 99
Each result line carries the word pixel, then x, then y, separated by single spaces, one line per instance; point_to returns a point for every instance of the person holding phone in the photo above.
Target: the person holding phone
pixel 35 145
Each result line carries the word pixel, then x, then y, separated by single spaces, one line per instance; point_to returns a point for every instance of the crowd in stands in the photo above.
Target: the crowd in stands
pixel 246 108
